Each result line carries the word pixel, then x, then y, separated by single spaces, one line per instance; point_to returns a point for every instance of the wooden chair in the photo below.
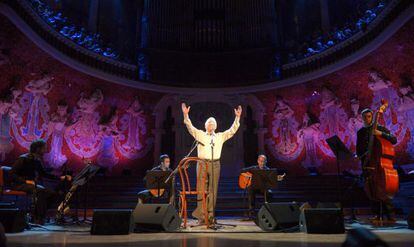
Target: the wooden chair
pixel 186 189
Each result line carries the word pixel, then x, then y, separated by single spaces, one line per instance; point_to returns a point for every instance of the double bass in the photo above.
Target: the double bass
pixel 382 180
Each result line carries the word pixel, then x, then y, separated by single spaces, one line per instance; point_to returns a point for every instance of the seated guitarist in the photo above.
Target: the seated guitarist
pixel 261 165
pixel 146 195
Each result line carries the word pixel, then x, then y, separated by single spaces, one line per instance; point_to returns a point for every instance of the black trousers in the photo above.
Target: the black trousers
pixel 252 197
pixel 44 198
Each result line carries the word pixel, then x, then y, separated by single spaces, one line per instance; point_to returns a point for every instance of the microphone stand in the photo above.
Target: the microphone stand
pixel 215 225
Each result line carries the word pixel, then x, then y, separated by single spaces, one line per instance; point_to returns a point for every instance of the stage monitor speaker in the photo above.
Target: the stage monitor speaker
pixel 13 219
pixel 111 222
pixel 275 216
pixel 410 220
pixel 362 237
pixel 322 220
pixel 155 218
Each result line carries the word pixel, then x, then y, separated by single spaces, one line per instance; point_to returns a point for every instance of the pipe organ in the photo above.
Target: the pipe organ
pixel 208 25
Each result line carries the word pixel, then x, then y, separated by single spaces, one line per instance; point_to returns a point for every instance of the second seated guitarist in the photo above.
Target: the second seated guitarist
pixel 261 165
pixel 145 195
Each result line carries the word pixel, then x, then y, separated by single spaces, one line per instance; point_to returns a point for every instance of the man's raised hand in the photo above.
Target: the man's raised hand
pixel 185 109
pixel 238 111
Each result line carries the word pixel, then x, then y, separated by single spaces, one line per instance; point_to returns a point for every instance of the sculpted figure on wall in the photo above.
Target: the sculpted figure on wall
pixel 57 126
pixel 284 142
pixel 107 156
pixel 333 121
pixel 355 122
pixel 382 88
pixel 406 109
pixel 32 117
pixel 309 135
pixel 132 126
pixel 8 110
pixel 83 136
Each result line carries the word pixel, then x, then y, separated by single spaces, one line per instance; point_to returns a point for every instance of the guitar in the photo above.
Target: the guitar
pixel 154 192
pixel 245 180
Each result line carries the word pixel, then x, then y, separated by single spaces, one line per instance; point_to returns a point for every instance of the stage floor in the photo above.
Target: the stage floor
pixel 245 233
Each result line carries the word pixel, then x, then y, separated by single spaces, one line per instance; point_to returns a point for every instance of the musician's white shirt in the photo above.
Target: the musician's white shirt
pixel 204 152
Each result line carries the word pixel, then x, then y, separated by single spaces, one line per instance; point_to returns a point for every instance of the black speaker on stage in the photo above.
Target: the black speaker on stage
pixel 410 220
pixel 275 216
pixel 322 220
pixel 155 218
pixel 13 219
pixel 111 222
pixel 362 237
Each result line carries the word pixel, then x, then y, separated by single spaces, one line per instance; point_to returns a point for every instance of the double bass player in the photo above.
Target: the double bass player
pixel 380 204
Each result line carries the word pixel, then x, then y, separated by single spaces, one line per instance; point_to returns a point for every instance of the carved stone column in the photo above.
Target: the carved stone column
pixel 260 139
pixel 258 116
pixel 157 132
pixel 159 112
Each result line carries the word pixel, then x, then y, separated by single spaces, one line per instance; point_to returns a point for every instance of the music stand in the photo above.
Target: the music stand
pixel 85 175
pixel 81 179
pixel 338 148
pixel 341 153
pixel 157 180
pixel 264 180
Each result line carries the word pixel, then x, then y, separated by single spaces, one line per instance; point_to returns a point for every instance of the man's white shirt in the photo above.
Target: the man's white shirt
pixel 218 139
